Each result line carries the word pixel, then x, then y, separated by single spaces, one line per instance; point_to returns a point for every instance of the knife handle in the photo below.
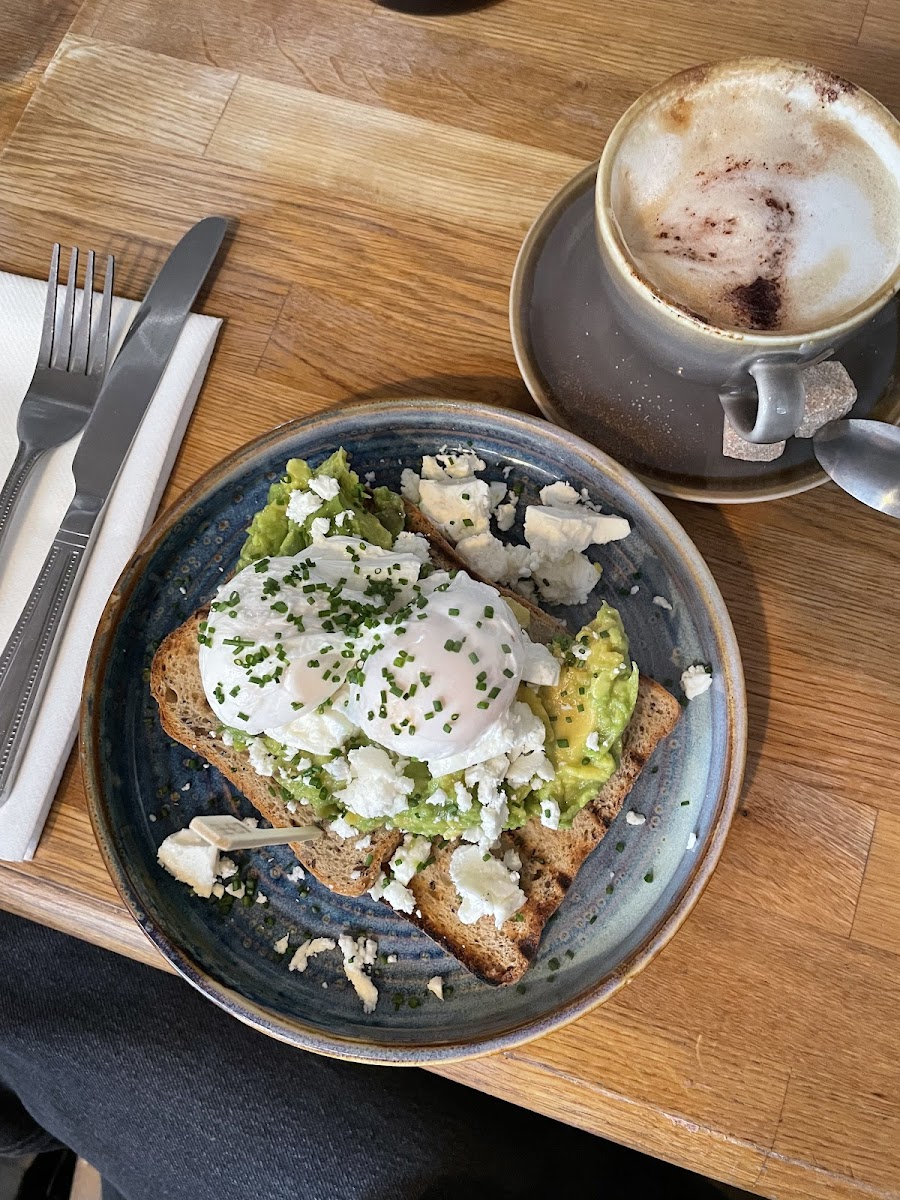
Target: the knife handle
pixel 32 647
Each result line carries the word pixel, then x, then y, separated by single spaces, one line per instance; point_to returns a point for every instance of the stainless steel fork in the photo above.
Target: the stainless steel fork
pixel 66 381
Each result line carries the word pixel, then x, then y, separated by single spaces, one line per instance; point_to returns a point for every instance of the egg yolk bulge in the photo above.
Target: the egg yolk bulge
pixel 437 676
pixel 286 633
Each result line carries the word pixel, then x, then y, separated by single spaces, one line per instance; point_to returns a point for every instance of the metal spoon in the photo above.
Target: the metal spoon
pixel 863 458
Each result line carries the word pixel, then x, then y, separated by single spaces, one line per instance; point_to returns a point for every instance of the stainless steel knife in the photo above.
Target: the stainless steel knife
pixel 119 410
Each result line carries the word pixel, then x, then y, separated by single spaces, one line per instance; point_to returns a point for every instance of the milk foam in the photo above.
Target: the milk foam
pixel 757 203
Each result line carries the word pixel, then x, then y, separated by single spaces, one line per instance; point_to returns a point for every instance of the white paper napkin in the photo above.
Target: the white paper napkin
pixel 131 508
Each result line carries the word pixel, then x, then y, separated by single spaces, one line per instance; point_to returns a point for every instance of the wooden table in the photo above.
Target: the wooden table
pixel 384 169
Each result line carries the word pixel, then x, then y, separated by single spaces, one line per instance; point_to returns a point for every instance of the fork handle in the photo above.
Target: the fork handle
pixel 32 647
pixel 14 487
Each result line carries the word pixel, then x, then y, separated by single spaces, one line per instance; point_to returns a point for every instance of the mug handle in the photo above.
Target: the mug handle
pixel 779 405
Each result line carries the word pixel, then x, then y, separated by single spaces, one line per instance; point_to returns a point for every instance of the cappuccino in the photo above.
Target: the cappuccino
pixel 761 200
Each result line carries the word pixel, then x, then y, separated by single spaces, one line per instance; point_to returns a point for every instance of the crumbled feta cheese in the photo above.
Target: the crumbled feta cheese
pixel 464 464
pixel 634 818
pixel 635 588
pixel 291 806
pixel 261 899
pixel 409 856
pixel 218 890
pixel 236 888
pixel 505 516
pixel 325 486
pixel 550 814
pixel 409 485
pixel 227 737
pixel 262 760
pixel 531 768
pixel 462 796
pixel 297 874
pixel 250 822
pixel 498 493
pixel 308 950
pixel 541 667
pixel 364 843
pixel 343 828
pixel 592 741
pixel 566 580
pixel 559 493
pixel 319 529
pixel 281 946
pixel 412 543
pixel 356 874
pixel 662 602
pixel 493 560
pixel 191 859
pixel 511 860
pixel 486 888
pixel 186 787
pixel 695 681
pixel 226 868
pixel 377 787
pixel 359 957
pixel 692 841
pixel 435 985
pixel 370 477
pixel 394 893
pixel 302 505
pixel 460 508
pixel 553 531
pixel 340 519
pixel 392 958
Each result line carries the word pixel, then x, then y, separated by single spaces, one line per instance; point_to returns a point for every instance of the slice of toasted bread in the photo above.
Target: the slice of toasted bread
pixel 550 858
pixel 186 716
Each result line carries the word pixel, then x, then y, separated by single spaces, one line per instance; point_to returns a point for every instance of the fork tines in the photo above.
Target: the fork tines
pixel 76 347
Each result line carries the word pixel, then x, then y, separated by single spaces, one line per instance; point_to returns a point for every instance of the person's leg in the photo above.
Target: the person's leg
pixel 172 1099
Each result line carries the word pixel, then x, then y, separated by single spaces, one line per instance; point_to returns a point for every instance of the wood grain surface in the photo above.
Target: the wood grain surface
pixel 384 169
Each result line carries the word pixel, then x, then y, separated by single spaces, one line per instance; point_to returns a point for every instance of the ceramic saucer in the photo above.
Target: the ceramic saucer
pixel 587 376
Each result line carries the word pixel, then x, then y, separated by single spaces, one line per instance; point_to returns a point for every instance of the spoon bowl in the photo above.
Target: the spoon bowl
pixel 863 458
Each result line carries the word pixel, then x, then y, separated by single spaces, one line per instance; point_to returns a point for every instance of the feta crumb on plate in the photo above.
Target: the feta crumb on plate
pixel 662 602
pixel 435 985
pixel 634 818
pixel 308 950
pixel 359 957
pixel 696 680
pixel 296 874
pixel 281 946
pixel 191 859
pixel 692 841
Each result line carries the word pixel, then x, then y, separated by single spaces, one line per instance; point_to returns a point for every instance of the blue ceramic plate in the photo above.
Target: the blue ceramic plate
pixel 628 899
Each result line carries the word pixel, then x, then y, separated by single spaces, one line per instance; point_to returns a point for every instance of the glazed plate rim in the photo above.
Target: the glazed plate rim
pixel 292 1029
pixel 529 252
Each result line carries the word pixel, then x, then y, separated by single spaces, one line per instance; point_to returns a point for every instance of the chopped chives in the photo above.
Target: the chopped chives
pixel 563 743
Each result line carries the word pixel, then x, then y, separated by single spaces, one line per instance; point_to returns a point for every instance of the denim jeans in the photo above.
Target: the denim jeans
pixel 172 1099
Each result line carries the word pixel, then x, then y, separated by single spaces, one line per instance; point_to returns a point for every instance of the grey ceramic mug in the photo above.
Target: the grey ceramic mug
pixel 806 168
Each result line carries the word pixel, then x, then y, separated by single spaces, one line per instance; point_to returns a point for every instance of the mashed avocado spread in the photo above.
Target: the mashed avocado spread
pixel 584 716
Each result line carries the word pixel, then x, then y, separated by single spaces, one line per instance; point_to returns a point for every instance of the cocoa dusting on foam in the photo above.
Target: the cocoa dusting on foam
pixel 758 304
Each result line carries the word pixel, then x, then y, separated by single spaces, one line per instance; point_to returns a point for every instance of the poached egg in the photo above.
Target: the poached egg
pixel 427 668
